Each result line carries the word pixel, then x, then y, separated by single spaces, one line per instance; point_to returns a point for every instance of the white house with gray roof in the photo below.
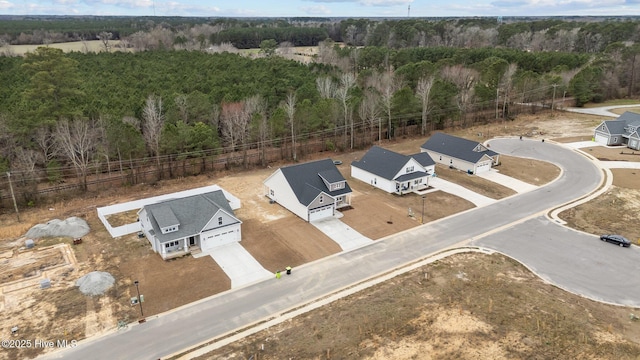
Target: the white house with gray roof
pixel 313 190
pixel 179 226
pixel 392 172
pixel 460 153
pixel 622 131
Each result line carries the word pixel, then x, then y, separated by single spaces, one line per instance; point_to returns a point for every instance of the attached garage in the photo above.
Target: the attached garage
pixel 320 213
pixel 601 139
pixel 483 167
pixel 210 241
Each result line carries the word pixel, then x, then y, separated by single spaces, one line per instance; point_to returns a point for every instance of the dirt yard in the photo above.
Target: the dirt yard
pixel 277 237
pixel 468 306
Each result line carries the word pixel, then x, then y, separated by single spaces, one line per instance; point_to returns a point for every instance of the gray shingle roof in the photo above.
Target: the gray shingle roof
pixel 456 147
pixel 617 126
pixel 306 183
pixel 382 162
pixel 424 159
pixel 411 176
pixel 164 216
pixel 192 213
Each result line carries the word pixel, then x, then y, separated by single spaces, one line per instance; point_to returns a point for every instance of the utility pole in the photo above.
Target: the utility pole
pixel 553 100
pixel 13 196
pixel 139 300
pixel 422 221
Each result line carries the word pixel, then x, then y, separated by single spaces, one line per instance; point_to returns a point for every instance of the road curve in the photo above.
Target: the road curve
pixel 504 220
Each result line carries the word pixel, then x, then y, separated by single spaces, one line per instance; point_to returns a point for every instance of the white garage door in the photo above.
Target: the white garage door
pixel 483 166
pixel 601 139
pixel 320 213
pixel 221 238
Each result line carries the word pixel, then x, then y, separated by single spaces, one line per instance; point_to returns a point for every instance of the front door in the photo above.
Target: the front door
pixel 192 241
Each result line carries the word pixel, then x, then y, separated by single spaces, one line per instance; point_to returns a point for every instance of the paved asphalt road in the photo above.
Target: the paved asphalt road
pixel 225 312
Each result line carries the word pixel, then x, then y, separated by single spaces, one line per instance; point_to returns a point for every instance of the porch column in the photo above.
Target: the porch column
pixel 186 244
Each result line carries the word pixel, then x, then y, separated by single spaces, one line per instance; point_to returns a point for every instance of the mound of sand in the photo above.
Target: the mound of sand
pixel 72 227
pixel 95 283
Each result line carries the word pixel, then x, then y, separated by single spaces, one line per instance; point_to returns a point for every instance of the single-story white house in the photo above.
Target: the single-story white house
pixel 392 172
pixel 313 190
pixel 621 131
pixel 460 153
pixel 178 226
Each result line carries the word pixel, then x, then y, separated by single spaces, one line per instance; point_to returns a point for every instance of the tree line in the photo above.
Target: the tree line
pixel 87 113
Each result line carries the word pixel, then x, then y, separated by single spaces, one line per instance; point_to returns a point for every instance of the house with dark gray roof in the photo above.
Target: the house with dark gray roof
pixel 313 190
pixel 460 153
pixel 177 227
pixel 622 131
pixel 392 172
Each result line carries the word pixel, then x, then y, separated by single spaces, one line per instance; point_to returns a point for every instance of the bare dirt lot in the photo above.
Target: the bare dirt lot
pixel 468 306
pixel 276 237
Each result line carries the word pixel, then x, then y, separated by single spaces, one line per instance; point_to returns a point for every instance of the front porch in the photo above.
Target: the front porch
pixel 343 201
pixel 180 247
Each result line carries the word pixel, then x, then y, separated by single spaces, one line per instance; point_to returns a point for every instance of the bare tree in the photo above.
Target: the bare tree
pixel 23 165
pixel 325 87
pixel 347 81
pixel 105 37
pixel 230 116
pixel 45 139
pixel 506 83
pixel 183 107
pixel 152 125
pixel 464 79
pixel 285 49
pixel 77 140
pixel 423 90
pixel 387 84
pixel 369 112
pixel 290 108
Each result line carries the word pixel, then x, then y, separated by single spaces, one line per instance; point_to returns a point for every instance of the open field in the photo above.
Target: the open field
pixel 276 238
pixel 468 306
pixel 80 46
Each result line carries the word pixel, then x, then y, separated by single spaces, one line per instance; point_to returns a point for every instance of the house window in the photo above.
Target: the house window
pixel 440 157
pixel 321 199
pixel 220 220
pixel 615 139
pixel 409 169
pixel 271 192
pixel 418 181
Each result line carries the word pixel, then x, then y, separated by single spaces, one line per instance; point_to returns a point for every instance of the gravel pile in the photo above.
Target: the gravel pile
pixel 74 227
pixel 95 283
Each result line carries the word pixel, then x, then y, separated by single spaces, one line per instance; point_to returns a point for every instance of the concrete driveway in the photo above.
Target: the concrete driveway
pixel 516 185
pixel 238 264
pixel 457 190
pixel 341 233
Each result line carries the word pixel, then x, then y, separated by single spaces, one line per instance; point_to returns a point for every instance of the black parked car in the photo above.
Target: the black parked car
pixel 616 239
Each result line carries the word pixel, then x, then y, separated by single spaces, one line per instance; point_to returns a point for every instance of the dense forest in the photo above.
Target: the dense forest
pixel 183 100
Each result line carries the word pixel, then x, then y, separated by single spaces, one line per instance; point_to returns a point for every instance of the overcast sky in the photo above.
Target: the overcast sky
pixel 321 8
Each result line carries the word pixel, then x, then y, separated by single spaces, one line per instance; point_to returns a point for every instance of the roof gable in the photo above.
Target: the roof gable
pixel 307 179
pixel 424 159
pixel 457 147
